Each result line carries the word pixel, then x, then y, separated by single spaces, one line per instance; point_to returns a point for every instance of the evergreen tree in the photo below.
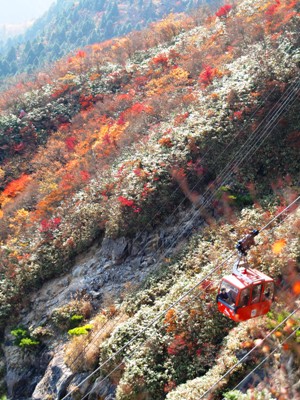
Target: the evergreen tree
pixel 87 27
pixel 27 47
pixel 30 57
pixel 13 68
pixel 109 30
pixel 11 55
pixel 55 52
pixel 150 11
pixel 5 68
pixel 113 11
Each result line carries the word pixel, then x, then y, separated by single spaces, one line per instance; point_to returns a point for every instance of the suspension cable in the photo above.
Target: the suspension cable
pixel 157 318
pixel 248 353
pixel 181 233
pixel 266 358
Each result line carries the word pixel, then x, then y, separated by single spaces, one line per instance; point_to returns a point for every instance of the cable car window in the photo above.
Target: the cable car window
pixel 244 297
pixel 269 291
pixel 256 291
pixel 231 292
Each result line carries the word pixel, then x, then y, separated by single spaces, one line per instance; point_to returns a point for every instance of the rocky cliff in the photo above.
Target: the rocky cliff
pixel 105 271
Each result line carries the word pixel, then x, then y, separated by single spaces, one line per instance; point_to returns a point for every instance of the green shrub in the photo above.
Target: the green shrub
pixel 80 330
pixel 76 319
pixel 19 333
pixel 233 395
pixel 23 339
pixel 28 343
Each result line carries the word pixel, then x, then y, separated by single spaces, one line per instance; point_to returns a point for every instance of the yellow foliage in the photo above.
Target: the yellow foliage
pixel 47 185
pixel 68 77
pixel 2 173
pixel 176 77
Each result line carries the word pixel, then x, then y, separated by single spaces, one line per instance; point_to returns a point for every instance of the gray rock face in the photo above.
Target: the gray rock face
pixel 55 382
pixel 23 370
pixel 104 270
pixel 102 388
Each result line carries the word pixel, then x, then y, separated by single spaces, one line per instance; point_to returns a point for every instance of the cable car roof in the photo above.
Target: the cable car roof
pixel 251 276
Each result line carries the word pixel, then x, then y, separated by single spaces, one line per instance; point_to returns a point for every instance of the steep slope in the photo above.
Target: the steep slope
pixel 69 25
pixel 104 140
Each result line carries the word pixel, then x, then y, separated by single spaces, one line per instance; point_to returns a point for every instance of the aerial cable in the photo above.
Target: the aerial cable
pixel 241 130
pixel 214 269
pixel 243 155
pixel 157 318
pixel 283 211
pixel 275 115
pixel 266 358
pixel 195 212
pixel 265 226
pixel 248 353
pixel 151 323
pixel 260 137
pixel 228 173
pixel 253 138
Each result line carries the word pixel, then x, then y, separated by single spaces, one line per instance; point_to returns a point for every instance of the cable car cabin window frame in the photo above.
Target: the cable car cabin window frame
pixel 244 295
pixel 255 297
pixel 232 291
pixel 269 297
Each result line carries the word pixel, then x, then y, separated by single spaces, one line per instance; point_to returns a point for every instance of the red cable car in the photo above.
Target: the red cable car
pixel 246 293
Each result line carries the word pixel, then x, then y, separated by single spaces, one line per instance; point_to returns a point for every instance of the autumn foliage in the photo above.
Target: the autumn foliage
pixel 224 10
pixel 106 136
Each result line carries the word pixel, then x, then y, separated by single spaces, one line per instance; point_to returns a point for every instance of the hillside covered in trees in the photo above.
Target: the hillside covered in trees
pixel 69 25
pixel 196 115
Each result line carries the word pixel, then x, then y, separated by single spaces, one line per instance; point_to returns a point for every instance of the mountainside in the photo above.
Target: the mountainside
pixel 152 152
pixel 69 25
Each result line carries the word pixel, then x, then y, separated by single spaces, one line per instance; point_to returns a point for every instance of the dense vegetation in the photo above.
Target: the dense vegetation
pixel 69 25
pixel 99 144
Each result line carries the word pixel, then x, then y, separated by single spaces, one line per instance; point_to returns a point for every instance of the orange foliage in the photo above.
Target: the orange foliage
pixel 60 90
pixel 86 101
pixel 47 205
pixel 14 188
pixel 179 119
pixel 278 246
pixel 170 320
pixel 296 288
pixel 165 142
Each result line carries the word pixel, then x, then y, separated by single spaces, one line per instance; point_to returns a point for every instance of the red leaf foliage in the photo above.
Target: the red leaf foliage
pixel 48 225
pixel 85 176
pixel 70 143
pixel 125 202
pixel 161 59
pixel 81 54
pixel 207 75
pixel 19 147
pixel 179 343
pixel 271 10
pixel 224 10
